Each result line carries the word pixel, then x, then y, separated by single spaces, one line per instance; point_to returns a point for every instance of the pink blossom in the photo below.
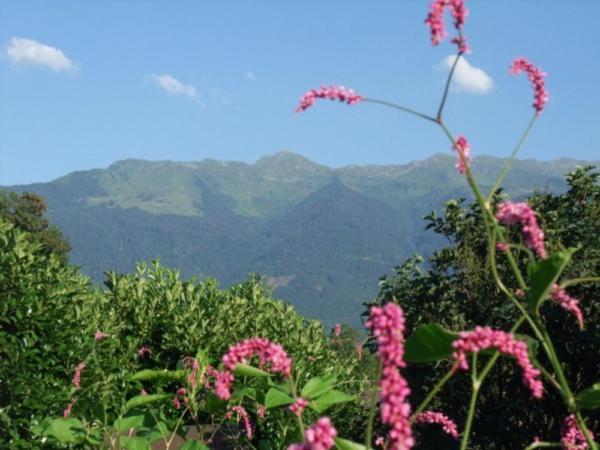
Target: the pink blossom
pixel 180 395
pixel 502 247
pixel 482 338
pixel 143 352
pixel 77 374
pixel 380 441
pixel 337 329
pixel 387 325
pixel 67 411
pixel 571 436
pixel 447 424
pixel 332 93
pixel 319 436
pixel 269 354
pixel 568 303
pixel 241 414
pixel 510 213
pixel 462 149
pixel 298 406
pixel 192 363
pixel 223 382
pixel 536 77
pixel 435 21
pixel 100 335
pixel 261 411
pixel 143 392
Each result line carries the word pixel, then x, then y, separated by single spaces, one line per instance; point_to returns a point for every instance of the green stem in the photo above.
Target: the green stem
pixel 373 410
pixel 299 416
pixel 432 393
pixel 543 445
pixel 472 403
pixel 508 163
pixel 401 108
pixel 447 86
pixel 567 283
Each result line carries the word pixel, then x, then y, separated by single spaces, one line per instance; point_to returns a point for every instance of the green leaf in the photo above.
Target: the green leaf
pixel 134 443
pixel 344 444
pixel 589 398
pixel 128 422
pixel 193 445
pixel 331 398
pixel 276 398
pixel 543 274
pixel 318 386
pixel 213 403
pixel 156 375
pixel 248 371
pixel 429 343
pixel 69 431
pixel 140 400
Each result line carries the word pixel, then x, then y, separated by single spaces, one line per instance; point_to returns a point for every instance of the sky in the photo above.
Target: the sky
pixel 84 84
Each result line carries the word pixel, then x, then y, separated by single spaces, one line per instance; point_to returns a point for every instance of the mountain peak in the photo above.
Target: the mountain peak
pixel 289 165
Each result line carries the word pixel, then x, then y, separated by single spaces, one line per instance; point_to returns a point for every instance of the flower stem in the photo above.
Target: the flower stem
pixel 373 410
pixel 401 108
pixel 432 393
pixel 472 403
pixel 580 280
pixel 447 86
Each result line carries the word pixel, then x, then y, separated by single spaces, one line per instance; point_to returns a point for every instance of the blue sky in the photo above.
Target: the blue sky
pixel 95 96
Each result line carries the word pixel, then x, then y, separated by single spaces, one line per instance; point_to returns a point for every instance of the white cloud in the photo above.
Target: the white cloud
pixel 250 75
pixel 468 78
pixel 175 87
pixel 23 51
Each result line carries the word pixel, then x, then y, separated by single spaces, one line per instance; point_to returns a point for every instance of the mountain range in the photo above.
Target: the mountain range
pixel 320 236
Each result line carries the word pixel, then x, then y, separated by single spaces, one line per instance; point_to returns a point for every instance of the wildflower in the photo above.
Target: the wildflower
pixel 332 93
pixel 510 213
pixel 192 363
pixel 568 303
pixel 223 382
pixel 447 424
pixel 100 335
pixel 269 353
pixel 261 410
pixel 380 441
pixel 536 77
pixel 319 436
pixel 482 338
pixel 143 392
pixel 462 149
pixel 241 414
pixel 387 325
pixel 77 374
pixel 179 395
pixel 67 411
pixel 298 406
pixel 501 247
pixel 143 352
pixel 571 436
pixel 435 21
pixel 337 329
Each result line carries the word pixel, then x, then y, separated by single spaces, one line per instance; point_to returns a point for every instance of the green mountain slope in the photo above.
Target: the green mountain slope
pixel 321 236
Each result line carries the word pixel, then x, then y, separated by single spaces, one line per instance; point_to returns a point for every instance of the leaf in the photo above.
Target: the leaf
pixel 249 371
pixel 140 400
pixel 276 398
pixel 193 445
pixel 69 431
pixel 589 398
pixel 429 343
pixel 134 443
pixel 129 422
pixel 543 274
pixel 318 386
pixel 331 398
pixel 344 444
pixel 162 375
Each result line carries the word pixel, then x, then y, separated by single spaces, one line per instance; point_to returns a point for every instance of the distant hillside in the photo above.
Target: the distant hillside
pixel 321 236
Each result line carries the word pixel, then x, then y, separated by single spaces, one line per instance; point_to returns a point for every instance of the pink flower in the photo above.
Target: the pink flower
pixel 510 213
pixel 241 414
pixel 462 149
pixel 180 395
pixel 261 411
pixel 337 330
pixel 319 436
pixel 332 93
pixel 143 352
pixel 568 303
pixel 77 374
pixel 380 441
pixel 447 424
pixel 502 247
pixel 387 325
pixel 571 436
pixel 100 335
pixel 223 382
pixel 536 77
pixel 67 411
pixel 268 353
pixel 192 363
pixel 143 392
pixel 482 338
pixel 435 21
pixel 298 406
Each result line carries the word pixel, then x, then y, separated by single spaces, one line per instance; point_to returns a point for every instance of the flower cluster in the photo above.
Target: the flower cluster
pixel 192 378
pixel 387 325
pixel 241 414
pixel 319 436
pixel 222 380
pixel 77 374
pixel 67 411
pixel 268 353
pixel 536 77
pixel 298 406
pixel 482 338
pixel 180 395
pixel 143 352
pixel 510 213
pixel 571 436
pixel 568 303
pixel 463 150
pixel 332 93
pixel 447 424
pixel 100 335
pixel 435 21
